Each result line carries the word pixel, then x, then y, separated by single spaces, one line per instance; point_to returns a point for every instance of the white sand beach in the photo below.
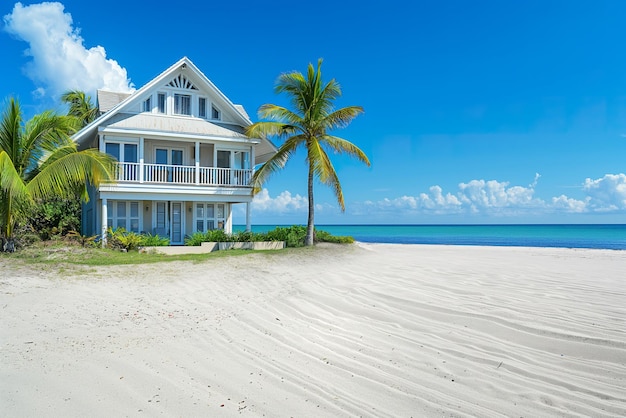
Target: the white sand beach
pixel 363 330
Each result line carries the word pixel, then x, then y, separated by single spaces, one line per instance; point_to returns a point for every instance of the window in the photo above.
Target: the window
pixel 124 214
pixel 113 149
pixel 215 112
pixel 147 105
pixel 202 107
pixel 206 219
pixel 182 104
pixel 124 153
pixel 161 102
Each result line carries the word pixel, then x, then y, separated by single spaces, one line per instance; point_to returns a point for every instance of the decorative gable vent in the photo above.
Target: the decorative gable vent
pixel 181 82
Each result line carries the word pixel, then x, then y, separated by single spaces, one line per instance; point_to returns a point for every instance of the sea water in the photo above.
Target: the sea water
pixel 612 236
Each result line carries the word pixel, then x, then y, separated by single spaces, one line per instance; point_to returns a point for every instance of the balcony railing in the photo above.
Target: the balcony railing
pixel 182 174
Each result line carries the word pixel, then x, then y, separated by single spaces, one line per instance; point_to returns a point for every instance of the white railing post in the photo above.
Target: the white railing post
pixel 141 159
pixel 197 162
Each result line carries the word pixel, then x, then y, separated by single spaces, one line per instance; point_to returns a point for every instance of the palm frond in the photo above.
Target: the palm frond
pixel 10 127
pixel 10 180
pixel 342 117
pixel 341 146
pixel 64 174
pixel 276 163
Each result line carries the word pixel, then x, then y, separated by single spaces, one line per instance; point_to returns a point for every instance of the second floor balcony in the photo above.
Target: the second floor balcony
pixel 182 174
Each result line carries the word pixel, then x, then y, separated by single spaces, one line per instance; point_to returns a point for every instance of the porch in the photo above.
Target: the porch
pixel 182 174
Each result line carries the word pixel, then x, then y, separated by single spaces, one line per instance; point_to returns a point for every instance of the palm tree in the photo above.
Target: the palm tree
pixel 81 106
pixel 308 125
pixel 39 160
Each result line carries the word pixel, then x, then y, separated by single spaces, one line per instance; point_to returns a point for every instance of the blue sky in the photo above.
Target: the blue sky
pixel 475 112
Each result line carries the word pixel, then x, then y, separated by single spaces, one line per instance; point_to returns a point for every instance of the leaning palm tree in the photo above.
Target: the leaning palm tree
pixel 39 160
pixel 81 106
pixel 308 125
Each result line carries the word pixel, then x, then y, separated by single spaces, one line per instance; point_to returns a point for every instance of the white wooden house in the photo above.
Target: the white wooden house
pixel 184 160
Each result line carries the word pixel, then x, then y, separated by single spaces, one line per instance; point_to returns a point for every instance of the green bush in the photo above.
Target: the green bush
pixel 120 239
pixel 217 235
pixel 323 236
pixel 149 240
pixel 195 239
pixel 54 217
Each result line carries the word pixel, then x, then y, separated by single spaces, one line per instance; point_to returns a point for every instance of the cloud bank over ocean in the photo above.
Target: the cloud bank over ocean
pixel 476 197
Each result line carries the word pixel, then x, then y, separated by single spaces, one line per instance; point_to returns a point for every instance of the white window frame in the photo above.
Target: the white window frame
pixel 202 110
pixel 113 218
pixel 147 104
pixel 121 142
pixel 164 110
pixel 218 222
pixel 214 110
pixel 178 106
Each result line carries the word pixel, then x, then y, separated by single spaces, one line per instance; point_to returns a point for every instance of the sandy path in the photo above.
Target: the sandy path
pixel 369 330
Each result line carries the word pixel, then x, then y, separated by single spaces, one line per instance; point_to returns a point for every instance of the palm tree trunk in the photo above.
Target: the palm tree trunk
pixel 8 242
pixel 310 227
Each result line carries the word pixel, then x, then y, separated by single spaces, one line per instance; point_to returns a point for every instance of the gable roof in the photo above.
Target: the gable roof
pixel 107 100
pixel 114 104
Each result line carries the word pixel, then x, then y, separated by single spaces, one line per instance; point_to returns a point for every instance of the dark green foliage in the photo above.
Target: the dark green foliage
pixel 217 235
pixel 323 236
pixel 149 240
pixel 195 239
pixel 55 217
pixel 293 236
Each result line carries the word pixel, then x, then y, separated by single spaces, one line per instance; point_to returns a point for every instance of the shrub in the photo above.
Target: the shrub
pixel 323 236
pixel 217 235
pixel 149 240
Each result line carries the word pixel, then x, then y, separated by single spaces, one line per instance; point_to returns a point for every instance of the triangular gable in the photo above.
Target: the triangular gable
pixel 182 74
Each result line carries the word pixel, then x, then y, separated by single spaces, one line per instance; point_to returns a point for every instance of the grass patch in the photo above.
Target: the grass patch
pixel 77 255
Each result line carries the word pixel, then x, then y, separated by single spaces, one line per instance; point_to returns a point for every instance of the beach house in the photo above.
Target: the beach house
pixel 183 158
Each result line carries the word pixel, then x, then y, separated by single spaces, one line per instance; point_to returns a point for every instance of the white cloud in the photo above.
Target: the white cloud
pixel 476 197
pixel 495 198
pixel 60 61
pixel 283 203
pixel 607 193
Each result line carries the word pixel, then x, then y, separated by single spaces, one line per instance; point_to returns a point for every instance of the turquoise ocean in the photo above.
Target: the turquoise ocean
pixel 612 236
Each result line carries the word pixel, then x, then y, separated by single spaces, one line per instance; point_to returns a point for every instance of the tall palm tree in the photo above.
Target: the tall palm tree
pixel 81 106
pixel 308 125
pixel 38 160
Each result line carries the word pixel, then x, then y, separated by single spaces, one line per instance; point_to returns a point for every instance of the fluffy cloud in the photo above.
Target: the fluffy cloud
pixel 479 197
pixel 283 203
pixel 607 193
pixel 495 198
pixel 60 61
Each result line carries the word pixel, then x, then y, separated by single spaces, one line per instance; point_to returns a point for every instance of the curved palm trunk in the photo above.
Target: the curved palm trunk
pixel 310 227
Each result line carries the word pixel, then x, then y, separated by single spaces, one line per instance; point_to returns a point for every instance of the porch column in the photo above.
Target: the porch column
pixel 141 159
pixel 197 162
pixel 101 146
pixel 248 224
pixel 104 220
pixel 228 228
pixel 252 165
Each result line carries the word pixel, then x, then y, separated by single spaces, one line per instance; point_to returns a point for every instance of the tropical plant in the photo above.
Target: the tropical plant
pixel 149 240
pixel 80 106
pixel 308 125
pixel 38 160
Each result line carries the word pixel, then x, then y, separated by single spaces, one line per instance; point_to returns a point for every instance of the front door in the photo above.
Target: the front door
pixel 177 213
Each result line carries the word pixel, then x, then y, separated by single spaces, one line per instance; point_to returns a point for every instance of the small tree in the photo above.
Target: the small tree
pixel 38 160
pixel 307 125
